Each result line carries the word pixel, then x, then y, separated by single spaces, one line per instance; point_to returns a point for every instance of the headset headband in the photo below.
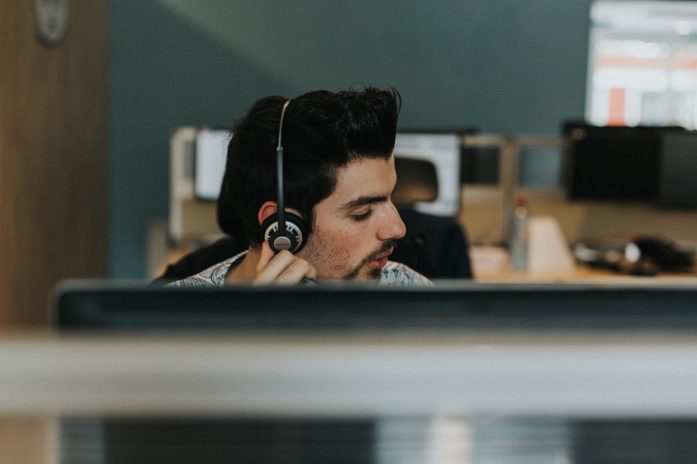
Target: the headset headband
pixel 281 207
pixel 284 230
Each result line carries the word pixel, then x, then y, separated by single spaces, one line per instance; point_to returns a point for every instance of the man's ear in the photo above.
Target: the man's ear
pixel 266 210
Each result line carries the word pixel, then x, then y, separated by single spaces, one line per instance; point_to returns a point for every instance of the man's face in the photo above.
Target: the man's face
pixel 354 227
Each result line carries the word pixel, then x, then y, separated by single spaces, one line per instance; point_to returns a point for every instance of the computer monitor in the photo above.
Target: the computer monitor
pixel 613 163
pixel 678 172
pixel 449 306
pixel 210 155
pixel 440 148
pixel 443 149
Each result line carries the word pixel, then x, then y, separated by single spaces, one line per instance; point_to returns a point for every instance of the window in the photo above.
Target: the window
pixel 643 63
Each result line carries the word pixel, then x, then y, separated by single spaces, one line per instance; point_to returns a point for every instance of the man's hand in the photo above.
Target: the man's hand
pixel 282 268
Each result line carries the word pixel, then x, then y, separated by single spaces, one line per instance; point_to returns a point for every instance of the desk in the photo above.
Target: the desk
pixel 583 274
pixel 490 264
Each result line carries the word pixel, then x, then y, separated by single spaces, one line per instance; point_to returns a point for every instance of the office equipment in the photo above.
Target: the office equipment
pixel 664 253
pixel 210 155
pixel 449 306
pixel 678 172
pixel 613 162
pixel 644 255
pixel 443 150
pixel 284 230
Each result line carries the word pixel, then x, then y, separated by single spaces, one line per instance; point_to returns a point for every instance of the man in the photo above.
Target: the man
pixel 338 175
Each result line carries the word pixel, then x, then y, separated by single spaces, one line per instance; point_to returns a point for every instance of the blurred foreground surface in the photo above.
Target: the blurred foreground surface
pixel 420 398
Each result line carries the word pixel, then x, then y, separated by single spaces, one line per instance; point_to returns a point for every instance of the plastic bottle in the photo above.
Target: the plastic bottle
pixel 519 235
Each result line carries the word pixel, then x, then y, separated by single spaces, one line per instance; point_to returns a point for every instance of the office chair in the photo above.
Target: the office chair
pixel 435 246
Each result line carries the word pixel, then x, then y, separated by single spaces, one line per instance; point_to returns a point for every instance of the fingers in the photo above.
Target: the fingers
pixel 282 268
pixel 266 255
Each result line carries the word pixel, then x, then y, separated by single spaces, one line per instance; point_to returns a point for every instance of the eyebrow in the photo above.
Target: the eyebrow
pixel 365 200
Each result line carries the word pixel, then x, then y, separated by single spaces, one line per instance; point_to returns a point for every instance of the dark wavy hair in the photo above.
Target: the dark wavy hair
pixel 322 131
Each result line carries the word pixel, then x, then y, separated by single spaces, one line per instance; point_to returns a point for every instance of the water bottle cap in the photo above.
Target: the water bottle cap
pixel 520 200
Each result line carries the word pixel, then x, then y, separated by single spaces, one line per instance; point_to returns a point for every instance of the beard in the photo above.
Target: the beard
pixel 373 274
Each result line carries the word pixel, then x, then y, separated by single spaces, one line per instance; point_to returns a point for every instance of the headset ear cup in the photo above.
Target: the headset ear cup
pixel 297 227
pixel 269 227
pixel 295 234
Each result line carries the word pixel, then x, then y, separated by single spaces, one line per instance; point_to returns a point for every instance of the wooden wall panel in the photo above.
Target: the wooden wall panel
pixel 53 157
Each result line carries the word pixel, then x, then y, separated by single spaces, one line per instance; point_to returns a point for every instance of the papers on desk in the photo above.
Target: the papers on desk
pixel 548 252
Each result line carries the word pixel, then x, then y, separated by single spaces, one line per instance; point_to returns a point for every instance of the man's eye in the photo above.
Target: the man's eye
pixel 362 216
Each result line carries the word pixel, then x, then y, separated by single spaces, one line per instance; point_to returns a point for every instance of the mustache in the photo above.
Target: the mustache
pixel 384 248
pixel 387 246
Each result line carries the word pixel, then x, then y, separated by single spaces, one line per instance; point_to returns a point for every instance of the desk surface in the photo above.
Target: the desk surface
pixel 584 274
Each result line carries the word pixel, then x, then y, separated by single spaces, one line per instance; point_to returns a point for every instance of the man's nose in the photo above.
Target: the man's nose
pixel 393 227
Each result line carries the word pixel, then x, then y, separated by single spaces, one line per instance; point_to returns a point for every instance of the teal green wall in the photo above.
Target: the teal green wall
pixel 499 65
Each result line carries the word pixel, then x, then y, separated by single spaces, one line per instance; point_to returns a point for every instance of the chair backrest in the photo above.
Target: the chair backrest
pixel 435 246
pixel 416 181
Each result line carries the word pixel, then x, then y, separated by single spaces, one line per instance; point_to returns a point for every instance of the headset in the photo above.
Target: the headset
pixel 284 230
